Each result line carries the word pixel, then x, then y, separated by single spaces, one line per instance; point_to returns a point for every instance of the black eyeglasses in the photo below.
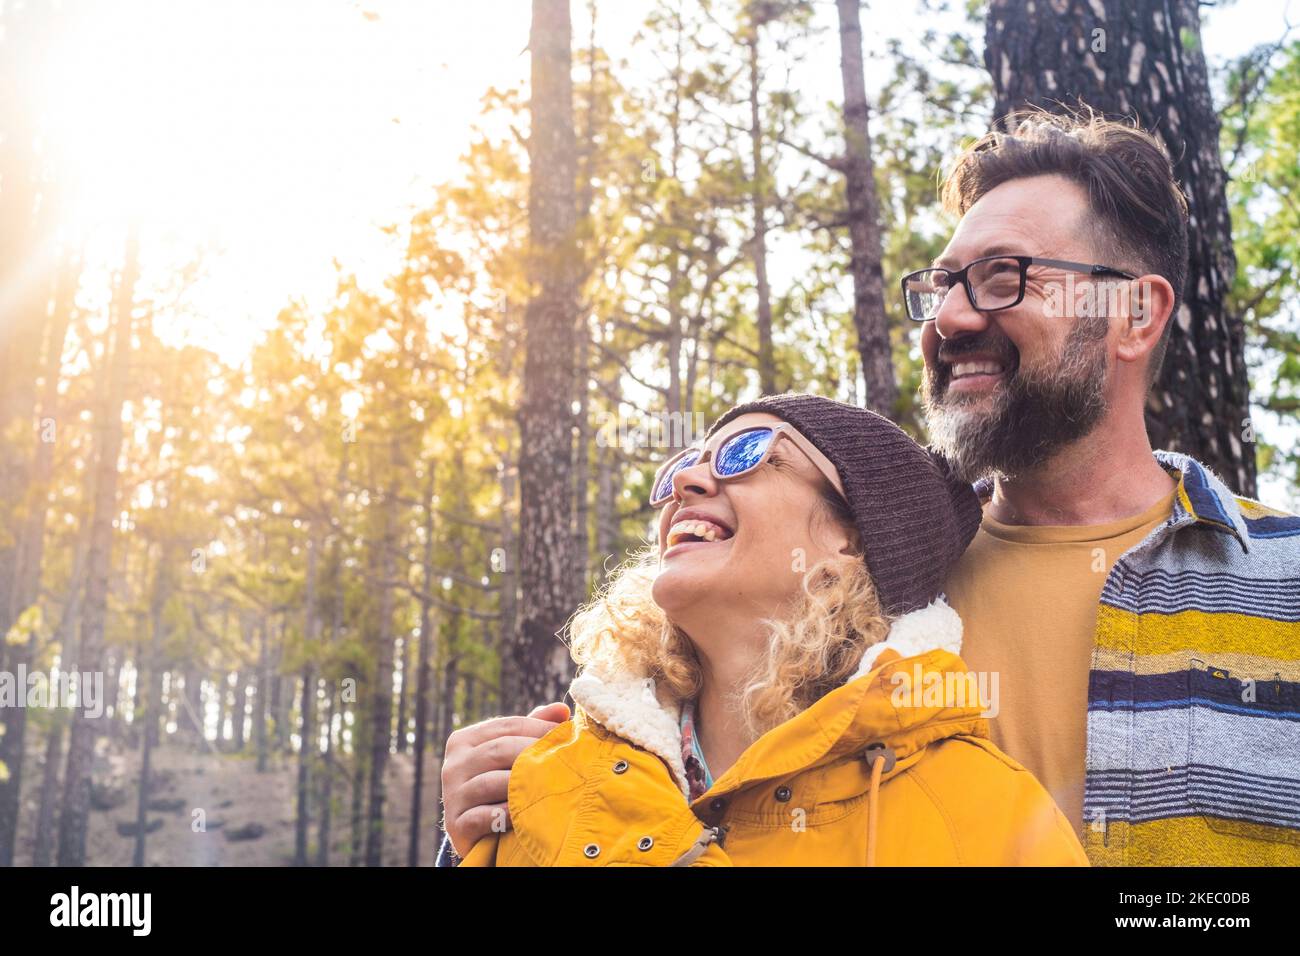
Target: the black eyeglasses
pixel 992 283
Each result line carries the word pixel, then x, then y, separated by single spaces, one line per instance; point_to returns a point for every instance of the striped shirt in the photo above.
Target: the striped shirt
pixel 1193 730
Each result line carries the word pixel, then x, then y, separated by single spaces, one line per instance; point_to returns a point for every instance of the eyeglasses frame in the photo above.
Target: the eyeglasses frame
pixel 962 275
pixel 780 429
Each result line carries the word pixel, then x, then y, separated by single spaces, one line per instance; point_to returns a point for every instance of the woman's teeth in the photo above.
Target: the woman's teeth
pixel 703 530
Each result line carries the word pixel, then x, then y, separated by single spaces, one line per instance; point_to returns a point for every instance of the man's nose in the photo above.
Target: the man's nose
pixel 956 315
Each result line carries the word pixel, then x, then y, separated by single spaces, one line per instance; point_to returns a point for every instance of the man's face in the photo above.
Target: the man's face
pixel 1005 390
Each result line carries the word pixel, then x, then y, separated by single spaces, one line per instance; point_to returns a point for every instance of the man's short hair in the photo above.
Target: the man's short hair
pixel 1139 212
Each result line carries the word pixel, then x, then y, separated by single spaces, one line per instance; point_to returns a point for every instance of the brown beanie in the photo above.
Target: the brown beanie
pixel 915 519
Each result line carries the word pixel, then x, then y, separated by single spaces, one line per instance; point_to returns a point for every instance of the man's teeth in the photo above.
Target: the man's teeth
pixel 976 368
pixel 705 530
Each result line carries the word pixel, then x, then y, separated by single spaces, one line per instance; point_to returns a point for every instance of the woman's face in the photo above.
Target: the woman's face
pixel 769 526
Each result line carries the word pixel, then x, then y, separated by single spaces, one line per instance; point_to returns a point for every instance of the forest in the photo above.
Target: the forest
pixel 247 589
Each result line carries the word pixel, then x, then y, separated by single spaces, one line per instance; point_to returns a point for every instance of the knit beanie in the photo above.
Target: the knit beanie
pixel 914 517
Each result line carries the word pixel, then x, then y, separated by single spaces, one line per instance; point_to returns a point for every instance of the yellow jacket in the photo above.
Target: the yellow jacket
pixel 884 770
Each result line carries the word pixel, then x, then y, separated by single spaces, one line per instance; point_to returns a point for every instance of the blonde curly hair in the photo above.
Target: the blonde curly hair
pixel 811 651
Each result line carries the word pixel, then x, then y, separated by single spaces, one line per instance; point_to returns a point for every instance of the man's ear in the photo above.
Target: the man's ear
pixel 1150 300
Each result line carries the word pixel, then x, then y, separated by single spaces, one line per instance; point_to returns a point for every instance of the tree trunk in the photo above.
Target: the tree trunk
pixel 306 756
pixel 547 543
pixel 425 653
pixel 327 782
pixel 221 684
pixel 1142 59
pixel 190 717
pixel 156 719
pixel 404 658
pixel 260 705
pixel 150 666
pixel 381 701
pixel 30 553
pixel 450 678
pixel 511 697
pixel 323 835
pixel 307 709
pixel 759 185
pixel 239 715
pixel 869 317
pixel 358 789
pixel 26 228
pixel 47 812
pixel 112 677
pixel 108 440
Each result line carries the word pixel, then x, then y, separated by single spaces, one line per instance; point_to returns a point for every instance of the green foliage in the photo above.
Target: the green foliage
pixel 1261 147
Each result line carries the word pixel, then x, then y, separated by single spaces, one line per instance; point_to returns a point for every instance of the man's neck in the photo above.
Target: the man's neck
pixel 1108 475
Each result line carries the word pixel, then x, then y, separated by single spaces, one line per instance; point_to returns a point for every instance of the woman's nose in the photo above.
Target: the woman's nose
pixel 697 479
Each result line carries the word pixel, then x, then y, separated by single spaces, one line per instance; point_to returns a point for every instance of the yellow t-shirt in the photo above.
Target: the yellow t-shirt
pixel 1027 596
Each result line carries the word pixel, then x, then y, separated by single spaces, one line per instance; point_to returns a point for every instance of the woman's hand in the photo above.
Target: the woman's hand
pixel 476 772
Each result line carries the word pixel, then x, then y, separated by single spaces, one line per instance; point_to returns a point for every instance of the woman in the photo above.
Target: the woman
pixel 748 691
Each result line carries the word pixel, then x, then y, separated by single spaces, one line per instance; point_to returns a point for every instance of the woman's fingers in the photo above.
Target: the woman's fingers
pixel 478 822
pixel 476 772
pixel 558 712
pixel 476 734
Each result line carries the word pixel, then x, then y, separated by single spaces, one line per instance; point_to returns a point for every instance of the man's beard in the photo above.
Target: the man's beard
pixel 1033 413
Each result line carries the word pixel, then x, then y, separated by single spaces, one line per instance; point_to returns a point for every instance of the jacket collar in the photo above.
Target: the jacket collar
pixel 1201 497
pixel 1204 498
pixel 629 706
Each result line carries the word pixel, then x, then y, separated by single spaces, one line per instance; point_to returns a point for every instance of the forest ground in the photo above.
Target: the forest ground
pixel 232 794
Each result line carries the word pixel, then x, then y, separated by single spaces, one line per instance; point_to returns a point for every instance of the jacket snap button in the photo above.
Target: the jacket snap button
pixel 591 851
pixel 717 804
pixel 620 767
pixel 645 843
pixel 783 794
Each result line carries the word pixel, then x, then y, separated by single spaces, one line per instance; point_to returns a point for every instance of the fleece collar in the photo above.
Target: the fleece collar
pixel 628 705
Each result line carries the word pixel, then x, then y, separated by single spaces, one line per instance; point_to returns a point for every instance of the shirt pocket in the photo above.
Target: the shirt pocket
pixel 1243 773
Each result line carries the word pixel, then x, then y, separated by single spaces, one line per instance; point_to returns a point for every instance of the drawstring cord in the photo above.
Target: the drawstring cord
pixel 882 759
pixel 709 836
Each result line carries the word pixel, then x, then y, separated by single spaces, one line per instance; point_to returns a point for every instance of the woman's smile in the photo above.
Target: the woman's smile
pixel 693 528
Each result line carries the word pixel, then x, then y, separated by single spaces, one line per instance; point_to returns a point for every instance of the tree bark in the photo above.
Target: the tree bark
pixel 381 700
pixel 326 783
pixel 307 709
pixel 869 316
pixel 260 704
pixel 403 692
pixel 108 440
pixel 153 698
pixel 425 654
pixel 545 418
pixel 758 188
pixel 1142 59
pixel 358 787
pixel 26 231
pixel 30 553
pixel 47 812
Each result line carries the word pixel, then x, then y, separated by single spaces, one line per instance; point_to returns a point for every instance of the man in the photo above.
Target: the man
pixel 1144 622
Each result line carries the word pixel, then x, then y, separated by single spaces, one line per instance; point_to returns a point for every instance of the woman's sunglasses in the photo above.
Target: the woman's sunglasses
pixel 736 455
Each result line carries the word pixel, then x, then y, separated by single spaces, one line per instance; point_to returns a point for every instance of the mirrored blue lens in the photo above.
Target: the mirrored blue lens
pixel 741 453
pixel 664 490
